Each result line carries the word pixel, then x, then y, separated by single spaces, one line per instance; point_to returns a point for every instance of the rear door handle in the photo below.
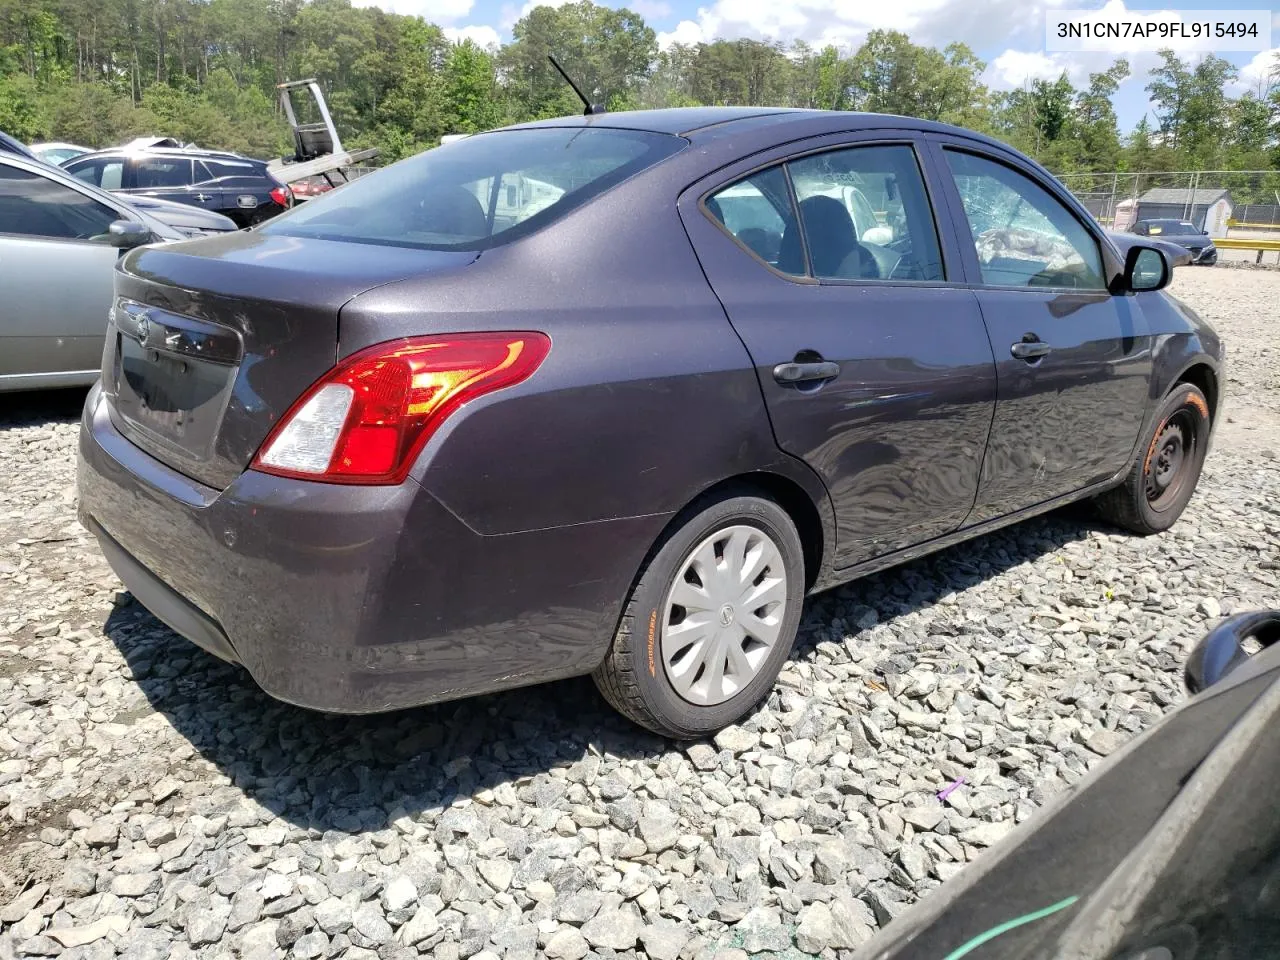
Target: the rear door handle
pixel 203 197
pixel 804 372
pixel 1030 349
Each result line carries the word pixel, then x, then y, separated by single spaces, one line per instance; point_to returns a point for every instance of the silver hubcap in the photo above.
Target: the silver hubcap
pixel 723 614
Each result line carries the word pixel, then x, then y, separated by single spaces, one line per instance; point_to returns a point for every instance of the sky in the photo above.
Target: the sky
pixel 1008 34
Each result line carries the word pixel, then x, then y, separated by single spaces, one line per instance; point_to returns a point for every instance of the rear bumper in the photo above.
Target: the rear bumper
pixel 352 599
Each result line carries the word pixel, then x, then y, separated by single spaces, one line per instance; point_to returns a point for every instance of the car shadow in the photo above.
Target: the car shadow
pixel 39 407
pixel 354 774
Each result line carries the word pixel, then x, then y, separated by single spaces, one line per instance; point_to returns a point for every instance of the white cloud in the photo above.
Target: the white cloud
pixel 433 10
pixel 1014 68
pixel 1260 72
pixel 651 9
pixel 846 24
pixel 481 35
pixel 686 32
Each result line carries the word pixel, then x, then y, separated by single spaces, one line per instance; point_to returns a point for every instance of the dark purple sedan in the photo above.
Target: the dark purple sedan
pixel 611 394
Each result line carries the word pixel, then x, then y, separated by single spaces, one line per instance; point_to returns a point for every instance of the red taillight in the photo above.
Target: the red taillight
pixel 368 418
pixel 282 195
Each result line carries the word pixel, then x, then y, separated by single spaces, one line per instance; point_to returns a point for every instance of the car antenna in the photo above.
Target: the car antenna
pixel 590 108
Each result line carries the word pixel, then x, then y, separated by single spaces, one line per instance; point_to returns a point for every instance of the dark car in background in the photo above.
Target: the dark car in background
pixel 611 394
pixel 227 183
pixel 1185 234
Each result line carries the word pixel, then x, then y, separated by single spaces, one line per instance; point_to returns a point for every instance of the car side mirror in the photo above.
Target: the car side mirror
pixel 1146 268
pixel 1222 649
pixel 127 234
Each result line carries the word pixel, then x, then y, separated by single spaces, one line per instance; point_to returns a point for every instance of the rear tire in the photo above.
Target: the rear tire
pixel 1167 467
pixel 685 670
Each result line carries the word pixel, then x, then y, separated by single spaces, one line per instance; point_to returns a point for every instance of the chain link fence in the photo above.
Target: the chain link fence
pixel 1224 202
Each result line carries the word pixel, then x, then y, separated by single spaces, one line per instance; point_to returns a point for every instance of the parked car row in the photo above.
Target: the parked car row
pixel 237 187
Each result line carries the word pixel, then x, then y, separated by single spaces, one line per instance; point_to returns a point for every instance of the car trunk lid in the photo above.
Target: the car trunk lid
pixel 210 342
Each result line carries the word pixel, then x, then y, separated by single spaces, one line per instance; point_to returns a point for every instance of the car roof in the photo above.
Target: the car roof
pixel 190 152
pixel 775 124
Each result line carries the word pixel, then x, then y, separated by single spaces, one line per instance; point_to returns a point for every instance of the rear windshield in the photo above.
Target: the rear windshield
pixel 480 191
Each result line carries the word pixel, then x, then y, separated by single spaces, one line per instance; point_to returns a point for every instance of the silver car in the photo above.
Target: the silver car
pixel 59 241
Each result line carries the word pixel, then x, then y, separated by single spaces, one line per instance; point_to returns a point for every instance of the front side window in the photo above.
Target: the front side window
pixel 866 215
pixel 1024 236
pixel 33 206
pixel 153 172
pixel 759 214
pixel 481 191
pixel 103 172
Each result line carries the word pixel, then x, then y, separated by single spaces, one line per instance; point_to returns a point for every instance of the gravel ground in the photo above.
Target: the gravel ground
pixel 154 803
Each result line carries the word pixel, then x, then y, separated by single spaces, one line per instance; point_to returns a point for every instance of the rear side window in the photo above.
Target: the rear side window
pixel 104 172
pixel 478 192
pixel 32 206
pixel 1024 236
pixel 759 214
pixel 217 169
pixel 152 172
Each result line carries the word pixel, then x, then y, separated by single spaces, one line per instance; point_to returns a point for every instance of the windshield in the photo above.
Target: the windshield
pixel 478 192
pixel 1171 227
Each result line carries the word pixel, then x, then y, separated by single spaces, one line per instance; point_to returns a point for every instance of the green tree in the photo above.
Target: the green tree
pixel 607 52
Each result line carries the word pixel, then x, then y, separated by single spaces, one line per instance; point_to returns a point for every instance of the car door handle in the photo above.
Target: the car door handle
pixel 1030 349
pixel 804 372
pixel 203 197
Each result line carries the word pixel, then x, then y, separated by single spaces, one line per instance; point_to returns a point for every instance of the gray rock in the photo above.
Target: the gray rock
pixel 246 908
pixel 616 929
pixel 922 818
pixel 659 827
pixel 580 907
pixel 737 740
pixel 422 926
pixel 851 922
pixel 1106 742
pixel 567 943
pixel 399 894
pixel 664 940
pixel 986 834
pixel 816 929
pixel 135 884
pixel 915 861
pixel 496 873
pixel 206 923
pixel 103 833
pixel 311 945
pixel 761 930
pixel 703 756
pixel 333 916
pixel 369 922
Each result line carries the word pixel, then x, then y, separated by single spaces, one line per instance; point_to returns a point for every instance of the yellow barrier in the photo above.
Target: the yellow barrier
pixel 1244 243
pixel 1244 225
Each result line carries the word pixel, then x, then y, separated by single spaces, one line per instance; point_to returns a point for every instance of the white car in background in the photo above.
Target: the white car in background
pixel 58 153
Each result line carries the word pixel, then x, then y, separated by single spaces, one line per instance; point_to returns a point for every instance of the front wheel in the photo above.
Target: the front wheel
pixel 1167 468
pixel 710 622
